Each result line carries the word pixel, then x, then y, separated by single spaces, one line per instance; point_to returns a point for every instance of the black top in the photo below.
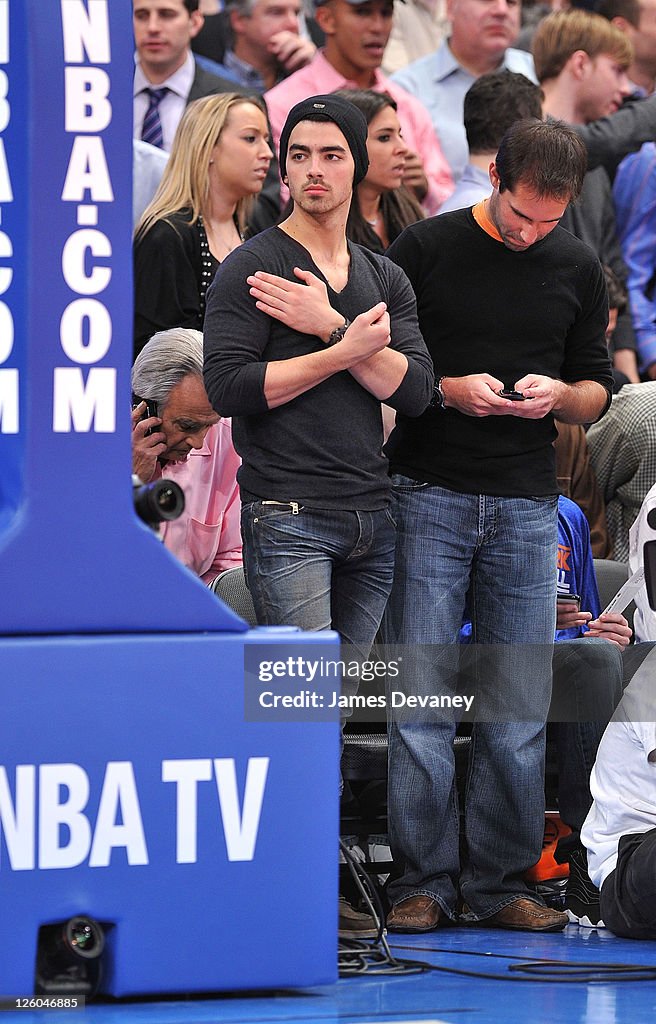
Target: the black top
pixel 173 268
pixel 592 219
pixel 323 448
pixel 484 308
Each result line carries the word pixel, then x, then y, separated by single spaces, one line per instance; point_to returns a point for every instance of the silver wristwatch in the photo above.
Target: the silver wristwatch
pixel 437 401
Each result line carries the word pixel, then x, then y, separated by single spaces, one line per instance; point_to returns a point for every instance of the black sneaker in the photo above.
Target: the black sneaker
pixel 552 892
pixel 582 898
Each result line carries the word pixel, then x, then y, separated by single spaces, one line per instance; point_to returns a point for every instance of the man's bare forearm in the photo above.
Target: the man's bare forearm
pixel 580 402
pixel 381 374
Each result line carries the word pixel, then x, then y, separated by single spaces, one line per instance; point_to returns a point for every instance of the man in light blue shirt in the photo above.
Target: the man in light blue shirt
pixel 481 35
pixel 492 104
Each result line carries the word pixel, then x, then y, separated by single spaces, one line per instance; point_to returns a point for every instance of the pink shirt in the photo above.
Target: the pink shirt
pixel 320 77
pixel 207 537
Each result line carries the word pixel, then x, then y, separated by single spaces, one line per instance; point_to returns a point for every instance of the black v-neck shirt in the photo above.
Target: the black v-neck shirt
pixel 323 448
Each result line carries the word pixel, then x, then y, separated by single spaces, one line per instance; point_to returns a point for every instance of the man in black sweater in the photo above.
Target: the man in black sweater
pixel 508 302
pixel 301 356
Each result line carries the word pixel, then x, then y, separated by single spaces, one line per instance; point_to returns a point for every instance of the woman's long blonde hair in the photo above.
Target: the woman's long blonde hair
pixel 185 182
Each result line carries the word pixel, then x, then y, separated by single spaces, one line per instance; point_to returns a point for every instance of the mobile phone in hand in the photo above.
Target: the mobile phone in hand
pixel 151 410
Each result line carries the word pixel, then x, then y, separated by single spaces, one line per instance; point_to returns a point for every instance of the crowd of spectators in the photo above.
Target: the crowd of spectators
pixel 440 84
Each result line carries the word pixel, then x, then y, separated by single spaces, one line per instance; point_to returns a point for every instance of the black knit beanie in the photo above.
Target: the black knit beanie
pixel 349 119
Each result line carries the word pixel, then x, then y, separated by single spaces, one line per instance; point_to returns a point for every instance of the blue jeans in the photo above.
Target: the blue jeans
pixel 499 554
pixel 319 568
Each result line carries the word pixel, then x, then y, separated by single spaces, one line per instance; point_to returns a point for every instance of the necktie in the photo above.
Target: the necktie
pixel 152 126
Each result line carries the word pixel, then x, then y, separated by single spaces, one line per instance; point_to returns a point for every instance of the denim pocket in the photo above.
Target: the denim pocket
pixel 390 517
pixel 544 499
pixel 406 483
pixel 264 510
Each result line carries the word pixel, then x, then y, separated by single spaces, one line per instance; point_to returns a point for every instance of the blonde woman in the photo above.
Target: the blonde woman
pixel 218 163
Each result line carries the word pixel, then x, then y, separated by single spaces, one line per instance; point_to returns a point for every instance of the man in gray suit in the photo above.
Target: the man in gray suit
pixel 166 75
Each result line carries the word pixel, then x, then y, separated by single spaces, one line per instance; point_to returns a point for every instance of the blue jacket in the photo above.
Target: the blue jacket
pixel 634 193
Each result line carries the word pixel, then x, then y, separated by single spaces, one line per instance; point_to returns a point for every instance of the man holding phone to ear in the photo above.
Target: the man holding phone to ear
pixel 177 434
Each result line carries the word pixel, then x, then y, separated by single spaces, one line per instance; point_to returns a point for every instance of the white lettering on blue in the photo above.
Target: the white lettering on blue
pixel 46 823
pixel 85 403
pixel 9 413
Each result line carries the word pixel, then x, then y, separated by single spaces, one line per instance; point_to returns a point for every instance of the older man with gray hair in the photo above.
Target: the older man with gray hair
pixel 177 435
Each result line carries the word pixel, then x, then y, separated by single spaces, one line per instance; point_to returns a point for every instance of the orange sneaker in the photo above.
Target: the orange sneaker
pixel 547 868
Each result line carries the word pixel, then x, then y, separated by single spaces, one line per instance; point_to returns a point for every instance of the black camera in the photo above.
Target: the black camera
pixel 158 502
pixel 69 957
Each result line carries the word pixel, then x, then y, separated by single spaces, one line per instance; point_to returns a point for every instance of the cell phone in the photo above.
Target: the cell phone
pixel 570 599
pixel 151 409
pixel 512 395
pixel 627 592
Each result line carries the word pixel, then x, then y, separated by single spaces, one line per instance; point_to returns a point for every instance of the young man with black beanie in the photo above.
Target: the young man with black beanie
pixel 305 335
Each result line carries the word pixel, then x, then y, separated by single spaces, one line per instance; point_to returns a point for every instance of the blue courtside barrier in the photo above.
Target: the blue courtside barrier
pixel 76 555
pixel 134 785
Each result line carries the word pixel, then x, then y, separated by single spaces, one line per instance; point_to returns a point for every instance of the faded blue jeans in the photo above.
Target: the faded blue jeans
pixel 500 555
pixel 319 568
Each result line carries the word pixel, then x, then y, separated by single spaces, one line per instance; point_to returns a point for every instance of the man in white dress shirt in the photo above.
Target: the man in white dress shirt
pixel 620 830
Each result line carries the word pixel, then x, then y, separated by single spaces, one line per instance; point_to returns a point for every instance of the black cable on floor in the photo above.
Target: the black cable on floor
pixel 581 971
pixel 356 957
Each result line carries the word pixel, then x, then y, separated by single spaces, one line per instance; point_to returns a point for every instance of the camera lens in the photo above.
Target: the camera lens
pixel 84 937
pixel 167 501
pixel 159 501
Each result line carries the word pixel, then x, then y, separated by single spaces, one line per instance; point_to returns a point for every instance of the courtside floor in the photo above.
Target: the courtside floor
pixel 435 996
